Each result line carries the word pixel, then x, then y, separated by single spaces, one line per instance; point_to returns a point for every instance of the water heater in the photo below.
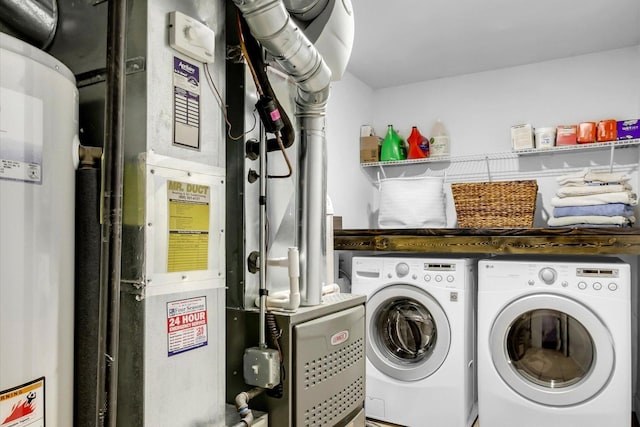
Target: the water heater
pixel 38 134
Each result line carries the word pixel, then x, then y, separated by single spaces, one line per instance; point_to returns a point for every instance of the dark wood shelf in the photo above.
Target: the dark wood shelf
pixel 582 241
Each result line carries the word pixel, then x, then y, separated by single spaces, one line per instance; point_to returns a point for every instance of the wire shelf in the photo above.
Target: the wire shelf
pixel 509 154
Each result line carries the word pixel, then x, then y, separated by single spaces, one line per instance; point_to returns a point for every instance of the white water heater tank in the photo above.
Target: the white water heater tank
pixel 38 139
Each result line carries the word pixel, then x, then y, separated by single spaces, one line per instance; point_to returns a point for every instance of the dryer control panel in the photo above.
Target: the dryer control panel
pixel 606 280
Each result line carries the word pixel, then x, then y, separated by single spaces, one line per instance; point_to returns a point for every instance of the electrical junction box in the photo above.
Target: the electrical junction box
pixel 191 37
pixel 262 367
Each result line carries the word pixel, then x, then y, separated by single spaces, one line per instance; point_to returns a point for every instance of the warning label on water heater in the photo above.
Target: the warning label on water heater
pixel 189 206
pixel 23 405
pixel 186 325
pixel 21 136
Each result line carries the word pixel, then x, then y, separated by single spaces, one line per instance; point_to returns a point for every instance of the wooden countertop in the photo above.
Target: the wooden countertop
pixel 585 241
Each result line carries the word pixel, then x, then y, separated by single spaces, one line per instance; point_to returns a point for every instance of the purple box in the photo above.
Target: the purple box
pixel 628 129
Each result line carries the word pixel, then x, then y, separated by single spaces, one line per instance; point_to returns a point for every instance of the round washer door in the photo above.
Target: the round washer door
pixel 408 333
pixel 551 349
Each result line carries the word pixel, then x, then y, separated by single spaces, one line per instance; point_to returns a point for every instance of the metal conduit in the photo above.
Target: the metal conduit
pixel 113 193
pixel 35 20
pixel 272 26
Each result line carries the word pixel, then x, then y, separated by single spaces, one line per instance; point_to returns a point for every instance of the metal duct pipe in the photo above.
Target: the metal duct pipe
pixel 272 26
pixel 36 20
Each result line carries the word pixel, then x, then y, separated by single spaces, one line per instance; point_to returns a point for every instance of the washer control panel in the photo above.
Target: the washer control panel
pixel 402 269
pixel 446 274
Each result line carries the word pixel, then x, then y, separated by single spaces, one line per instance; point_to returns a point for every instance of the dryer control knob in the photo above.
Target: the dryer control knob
pixel 402 269
pixel 547 275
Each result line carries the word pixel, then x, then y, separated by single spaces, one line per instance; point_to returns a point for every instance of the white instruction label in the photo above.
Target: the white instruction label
pixel 21 136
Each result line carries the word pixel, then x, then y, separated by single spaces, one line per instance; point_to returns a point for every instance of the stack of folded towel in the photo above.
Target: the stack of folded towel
pixel 593 199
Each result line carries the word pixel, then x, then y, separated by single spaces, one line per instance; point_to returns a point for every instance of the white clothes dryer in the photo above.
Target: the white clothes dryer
pixel 554 342
pixel 420 326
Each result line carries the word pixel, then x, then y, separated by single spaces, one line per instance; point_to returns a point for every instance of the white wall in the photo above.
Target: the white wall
pixel 479 110
pixel 350 105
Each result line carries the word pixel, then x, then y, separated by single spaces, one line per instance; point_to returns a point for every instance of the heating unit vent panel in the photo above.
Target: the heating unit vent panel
pixel 329 367
pixel 325 367
pixel 332 410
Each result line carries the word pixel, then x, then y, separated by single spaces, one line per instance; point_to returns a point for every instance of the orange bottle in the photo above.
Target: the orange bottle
pixel 418 145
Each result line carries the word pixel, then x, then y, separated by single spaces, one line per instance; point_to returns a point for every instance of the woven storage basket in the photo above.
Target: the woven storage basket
pixel 501 204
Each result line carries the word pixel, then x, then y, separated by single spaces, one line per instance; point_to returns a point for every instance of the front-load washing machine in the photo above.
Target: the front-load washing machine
pixel 420 329
pixel 554 342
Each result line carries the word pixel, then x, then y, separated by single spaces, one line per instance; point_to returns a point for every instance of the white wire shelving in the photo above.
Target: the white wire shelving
pixel 510 154
pixel 501 165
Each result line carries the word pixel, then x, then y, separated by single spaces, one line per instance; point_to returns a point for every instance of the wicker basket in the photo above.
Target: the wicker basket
pixel 502 204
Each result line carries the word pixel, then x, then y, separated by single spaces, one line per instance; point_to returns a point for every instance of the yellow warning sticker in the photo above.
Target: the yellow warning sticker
pixel 189 207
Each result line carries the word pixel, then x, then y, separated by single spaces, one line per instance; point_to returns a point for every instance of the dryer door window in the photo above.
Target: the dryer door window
pixel 552 350
pixel 408 332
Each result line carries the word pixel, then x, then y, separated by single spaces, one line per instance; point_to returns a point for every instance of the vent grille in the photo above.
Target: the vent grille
pixel 332 364
pixel 337 406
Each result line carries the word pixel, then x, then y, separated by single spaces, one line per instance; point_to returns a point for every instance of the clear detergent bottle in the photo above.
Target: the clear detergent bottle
pixel 418 145
pixel 392 146
pixel 439 142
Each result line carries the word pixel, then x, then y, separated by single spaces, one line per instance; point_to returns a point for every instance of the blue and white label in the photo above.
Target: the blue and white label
pixel 186 104
pixel 186 325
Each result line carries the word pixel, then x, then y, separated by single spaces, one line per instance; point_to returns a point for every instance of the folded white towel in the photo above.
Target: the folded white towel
pixel 586 175
pixel 585 190
pixel 626 197
pixel 606 177
pixel 575 177
pixel 590 219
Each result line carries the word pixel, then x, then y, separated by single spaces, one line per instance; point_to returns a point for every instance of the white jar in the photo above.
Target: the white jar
pixel 545 137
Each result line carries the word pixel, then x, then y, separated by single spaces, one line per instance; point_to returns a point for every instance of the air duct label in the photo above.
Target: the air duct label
pixel 189 206
pixel 186 104
pixel 186 325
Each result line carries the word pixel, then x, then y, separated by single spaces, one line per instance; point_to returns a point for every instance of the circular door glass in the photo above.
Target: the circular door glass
pixel 406 329
pixel 550 348
pixel 408 333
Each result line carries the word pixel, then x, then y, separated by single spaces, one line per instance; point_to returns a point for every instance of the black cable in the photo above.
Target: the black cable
pixel 272 337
